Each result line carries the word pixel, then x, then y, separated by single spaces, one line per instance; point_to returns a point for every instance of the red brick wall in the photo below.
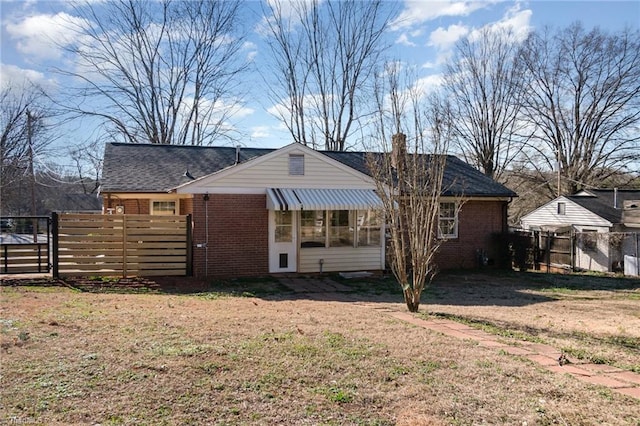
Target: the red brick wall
pixel 238 236
pixel 477 220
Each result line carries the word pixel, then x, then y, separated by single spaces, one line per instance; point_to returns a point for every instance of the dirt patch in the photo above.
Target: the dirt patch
pixel 73 357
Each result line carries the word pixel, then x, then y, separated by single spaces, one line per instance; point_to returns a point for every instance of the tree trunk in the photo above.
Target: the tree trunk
pixel 412 299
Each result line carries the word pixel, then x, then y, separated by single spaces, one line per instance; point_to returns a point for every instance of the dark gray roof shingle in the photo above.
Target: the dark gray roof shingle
pixel 602 203
pixel 160 168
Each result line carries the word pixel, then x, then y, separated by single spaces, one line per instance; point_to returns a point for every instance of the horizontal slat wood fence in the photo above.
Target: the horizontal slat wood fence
pixel 122 245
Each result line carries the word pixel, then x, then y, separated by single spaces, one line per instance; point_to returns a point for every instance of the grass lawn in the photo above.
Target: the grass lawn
pixel 253 352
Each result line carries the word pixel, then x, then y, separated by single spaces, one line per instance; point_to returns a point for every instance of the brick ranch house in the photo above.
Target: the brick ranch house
pixel 293 209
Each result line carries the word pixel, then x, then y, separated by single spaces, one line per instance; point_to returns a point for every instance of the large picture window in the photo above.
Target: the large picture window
pixel 448 221
pixel 340 228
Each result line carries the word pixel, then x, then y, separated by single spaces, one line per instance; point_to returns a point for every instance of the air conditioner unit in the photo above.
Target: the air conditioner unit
pixel 119 209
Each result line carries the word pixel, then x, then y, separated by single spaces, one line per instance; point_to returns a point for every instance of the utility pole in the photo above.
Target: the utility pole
pixel 558 167
pixel 32 173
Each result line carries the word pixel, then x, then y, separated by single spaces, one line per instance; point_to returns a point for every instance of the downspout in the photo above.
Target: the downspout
pixel 206 233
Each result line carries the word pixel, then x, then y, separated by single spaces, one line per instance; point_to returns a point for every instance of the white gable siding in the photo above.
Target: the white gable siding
pixel 547 215
pixel 273 172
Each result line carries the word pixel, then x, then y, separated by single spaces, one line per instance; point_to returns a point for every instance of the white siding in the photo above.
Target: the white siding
pixel 547 215
pixel 272 171
pixel 341 259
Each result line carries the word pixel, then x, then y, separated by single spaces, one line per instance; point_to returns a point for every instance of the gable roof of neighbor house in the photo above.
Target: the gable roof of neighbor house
pixel 161 168
pixel 606 203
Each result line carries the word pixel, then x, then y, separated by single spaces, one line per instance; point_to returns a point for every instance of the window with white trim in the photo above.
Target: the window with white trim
pixel 284 226
pixel 313 230
pixel 562 209
pixel 448 220
pixel 296 165
pixel 368 227
pixel 341 228
pixel 163 207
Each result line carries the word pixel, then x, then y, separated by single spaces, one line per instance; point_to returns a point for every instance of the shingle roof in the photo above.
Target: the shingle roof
pixel 160 168
pixel 601 202
pixel 459 177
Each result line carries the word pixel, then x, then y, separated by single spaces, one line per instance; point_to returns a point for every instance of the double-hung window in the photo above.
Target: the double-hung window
pixel 448 220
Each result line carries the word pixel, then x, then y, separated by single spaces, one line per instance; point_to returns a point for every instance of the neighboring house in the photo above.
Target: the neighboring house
pixel 606 220
pixel 293 209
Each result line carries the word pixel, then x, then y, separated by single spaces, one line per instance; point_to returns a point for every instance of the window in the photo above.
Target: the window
pixel 296 165
pixel 313 231
pixel 163 207
pixel 341 228
pixel 284 227
pixel 368 228
pixel 562 208
pixel 448 221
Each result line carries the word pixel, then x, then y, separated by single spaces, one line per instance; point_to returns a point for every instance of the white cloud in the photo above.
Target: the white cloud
pixel 443 38
pixel 427 85
pixel 16 77
pixel 41 36
pixel 404 40
pixel 260 132
pixel 252 50
pixel 417 12
pixel 515 21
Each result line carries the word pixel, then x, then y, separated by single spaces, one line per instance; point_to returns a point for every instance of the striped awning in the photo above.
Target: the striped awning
pixel 322 199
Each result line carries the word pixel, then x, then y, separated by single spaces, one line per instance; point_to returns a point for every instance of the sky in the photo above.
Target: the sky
pixel 422 35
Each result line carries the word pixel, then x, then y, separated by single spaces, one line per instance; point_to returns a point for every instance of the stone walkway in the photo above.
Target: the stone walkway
pixel 616 379
pixel 623 381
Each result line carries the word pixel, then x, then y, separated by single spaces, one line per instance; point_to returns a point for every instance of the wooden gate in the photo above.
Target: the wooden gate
pixel 24 244
pixel 121 245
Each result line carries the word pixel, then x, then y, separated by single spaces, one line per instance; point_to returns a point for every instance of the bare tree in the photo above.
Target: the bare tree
pixel 483 83
pixel 324 54
pixel 26 134
pixel 409 180
pixel 88 159
pixel 583 103
pixel 163 72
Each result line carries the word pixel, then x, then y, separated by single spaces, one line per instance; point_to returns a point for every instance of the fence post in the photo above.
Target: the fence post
pixel 189 246
pixel 124 246
pixel 548 248
pixel 572 237
pixel 54 245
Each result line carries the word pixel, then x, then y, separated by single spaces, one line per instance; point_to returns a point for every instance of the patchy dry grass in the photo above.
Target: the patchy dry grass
pixel 72 357
pixel 594 318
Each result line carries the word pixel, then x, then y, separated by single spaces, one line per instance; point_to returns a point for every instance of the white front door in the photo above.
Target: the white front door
pixel 282 241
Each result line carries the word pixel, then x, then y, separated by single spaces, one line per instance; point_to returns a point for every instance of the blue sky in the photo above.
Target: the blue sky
pixel 422 35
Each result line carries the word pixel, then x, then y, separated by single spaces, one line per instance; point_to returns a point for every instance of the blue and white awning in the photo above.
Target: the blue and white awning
pixel 322 199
